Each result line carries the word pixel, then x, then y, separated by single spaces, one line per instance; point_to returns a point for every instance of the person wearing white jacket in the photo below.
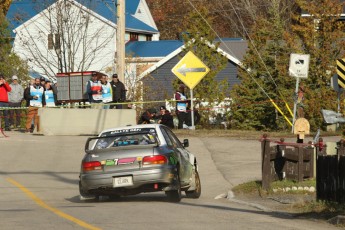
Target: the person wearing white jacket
pixel 15 98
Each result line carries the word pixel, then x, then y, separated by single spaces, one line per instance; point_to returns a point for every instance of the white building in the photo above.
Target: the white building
pixel 74 35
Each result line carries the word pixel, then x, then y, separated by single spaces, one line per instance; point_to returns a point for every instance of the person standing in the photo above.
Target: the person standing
pixel 36 97
pixel 119 92
pixel 5 88
pixel 107 96
pixel 15 98
pixel 31 82
pixel 50 94
pixel 181 106
pixel 94 91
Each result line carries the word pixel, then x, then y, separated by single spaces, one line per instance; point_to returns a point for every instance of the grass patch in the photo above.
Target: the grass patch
pixel 320 209
pixel 255 187
pixel 252 187
pixel 243 134
pixel 312 209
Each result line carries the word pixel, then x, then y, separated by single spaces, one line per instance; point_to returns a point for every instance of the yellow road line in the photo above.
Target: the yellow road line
pixel 54 210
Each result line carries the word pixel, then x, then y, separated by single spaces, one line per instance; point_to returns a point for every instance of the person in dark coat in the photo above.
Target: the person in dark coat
pixel 35 95
pixel 119 92
pixel 166 117
pixel 147 116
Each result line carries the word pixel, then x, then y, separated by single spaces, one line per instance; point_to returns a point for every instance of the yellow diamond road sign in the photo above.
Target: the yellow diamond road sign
pixel 190 70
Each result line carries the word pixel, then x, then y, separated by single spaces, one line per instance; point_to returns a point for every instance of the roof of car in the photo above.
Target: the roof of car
pixel 153 126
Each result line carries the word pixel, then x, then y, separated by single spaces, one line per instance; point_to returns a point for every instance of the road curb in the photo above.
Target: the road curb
pixel 231 197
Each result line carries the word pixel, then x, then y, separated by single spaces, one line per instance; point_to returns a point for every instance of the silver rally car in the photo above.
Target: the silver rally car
pixel 136 159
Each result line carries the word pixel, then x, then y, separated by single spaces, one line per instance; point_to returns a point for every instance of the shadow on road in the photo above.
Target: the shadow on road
pixel 55 175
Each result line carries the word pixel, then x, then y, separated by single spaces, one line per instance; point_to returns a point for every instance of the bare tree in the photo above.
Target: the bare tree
pixel 231 18
pixel 236 18
pixel 67 37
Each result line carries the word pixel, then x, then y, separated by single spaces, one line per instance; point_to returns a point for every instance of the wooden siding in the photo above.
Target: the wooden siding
pixel 160 80
pixel 230 72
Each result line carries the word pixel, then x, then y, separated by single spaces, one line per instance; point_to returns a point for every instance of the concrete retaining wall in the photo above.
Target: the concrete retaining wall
pixel 56 121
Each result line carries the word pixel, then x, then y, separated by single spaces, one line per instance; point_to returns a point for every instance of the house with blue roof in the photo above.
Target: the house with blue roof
pixel 152 62
pixel 74 35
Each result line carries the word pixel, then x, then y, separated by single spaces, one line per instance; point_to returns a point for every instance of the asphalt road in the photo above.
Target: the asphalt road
pixel 39 189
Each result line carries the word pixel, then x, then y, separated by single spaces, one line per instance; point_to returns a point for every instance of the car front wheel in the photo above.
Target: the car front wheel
pixel 197 192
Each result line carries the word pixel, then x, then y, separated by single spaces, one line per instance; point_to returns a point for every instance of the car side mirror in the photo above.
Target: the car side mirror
pixel 185 143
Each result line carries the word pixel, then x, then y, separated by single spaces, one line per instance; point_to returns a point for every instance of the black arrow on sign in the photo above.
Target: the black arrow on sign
pixel 183 70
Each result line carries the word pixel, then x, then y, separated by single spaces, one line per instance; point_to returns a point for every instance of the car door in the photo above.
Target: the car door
pixel 186 167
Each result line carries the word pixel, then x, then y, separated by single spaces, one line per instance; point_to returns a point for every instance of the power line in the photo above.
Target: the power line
pixel 258 53
pixel 249 73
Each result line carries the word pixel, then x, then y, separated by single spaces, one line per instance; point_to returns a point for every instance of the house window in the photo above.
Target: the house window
pixel 53 44
pixel 149 37
pixel 57 41
pixel 142 37
pixel 50 41
pixel 134 37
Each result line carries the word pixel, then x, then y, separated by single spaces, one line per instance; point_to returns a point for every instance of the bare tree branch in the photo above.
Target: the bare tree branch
pixel 78 40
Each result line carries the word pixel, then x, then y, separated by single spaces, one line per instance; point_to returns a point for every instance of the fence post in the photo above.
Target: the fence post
pixel 266 163
pixel 300 164
pixel 341 149
pixel 340 173
pixel 310 151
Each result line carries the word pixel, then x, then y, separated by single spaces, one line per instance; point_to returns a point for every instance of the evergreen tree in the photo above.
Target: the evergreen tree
pixel 264 76
pixel 321 35
pixel 10 63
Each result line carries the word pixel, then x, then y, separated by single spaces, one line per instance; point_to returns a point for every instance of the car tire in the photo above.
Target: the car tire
pixel 195 194
pixel 175 195
pixel 84 195
pixel 114 197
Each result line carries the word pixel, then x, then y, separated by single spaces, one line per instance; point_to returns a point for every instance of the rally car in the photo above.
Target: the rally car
pixel 138 159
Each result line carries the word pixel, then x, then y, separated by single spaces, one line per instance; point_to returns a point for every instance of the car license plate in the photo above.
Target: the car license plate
pixel 123 181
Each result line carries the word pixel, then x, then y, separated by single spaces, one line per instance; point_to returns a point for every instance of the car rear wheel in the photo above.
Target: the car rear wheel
pixel 175 195
pixel 84 195
pixel 114 197
pixel 197 192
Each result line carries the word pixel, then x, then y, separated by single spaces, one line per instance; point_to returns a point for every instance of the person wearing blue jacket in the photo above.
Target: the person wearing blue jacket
pixel 50 94
pixel 36 99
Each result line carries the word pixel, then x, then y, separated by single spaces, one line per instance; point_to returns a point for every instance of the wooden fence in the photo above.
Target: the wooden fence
pixel 285 160
pixel 330 175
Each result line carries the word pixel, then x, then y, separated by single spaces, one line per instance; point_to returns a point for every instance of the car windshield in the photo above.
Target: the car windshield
pixel 129 137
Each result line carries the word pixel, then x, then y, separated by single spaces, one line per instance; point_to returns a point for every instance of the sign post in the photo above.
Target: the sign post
pixel 190 70
pixel 339 80
pixel 299 67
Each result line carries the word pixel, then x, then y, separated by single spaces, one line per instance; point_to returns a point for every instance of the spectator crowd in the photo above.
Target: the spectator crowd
pixel 102 93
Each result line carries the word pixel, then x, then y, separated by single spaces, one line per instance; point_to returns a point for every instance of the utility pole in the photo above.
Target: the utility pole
pixel 120 40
